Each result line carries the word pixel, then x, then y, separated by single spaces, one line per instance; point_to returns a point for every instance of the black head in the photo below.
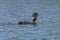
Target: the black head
pixel 34 16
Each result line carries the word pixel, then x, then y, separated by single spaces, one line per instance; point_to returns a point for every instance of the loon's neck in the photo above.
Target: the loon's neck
pixel 34 19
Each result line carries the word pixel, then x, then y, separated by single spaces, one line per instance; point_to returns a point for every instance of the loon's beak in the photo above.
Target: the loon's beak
pixel 38 14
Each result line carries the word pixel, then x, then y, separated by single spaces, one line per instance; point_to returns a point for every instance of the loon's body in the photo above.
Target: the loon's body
pixel 26 22
pixel 34 18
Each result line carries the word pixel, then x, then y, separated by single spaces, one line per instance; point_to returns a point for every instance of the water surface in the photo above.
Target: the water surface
pixel 13 11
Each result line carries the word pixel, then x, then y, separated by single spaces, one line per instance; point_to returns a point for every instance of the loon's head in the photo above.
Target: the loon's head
pixel 34 16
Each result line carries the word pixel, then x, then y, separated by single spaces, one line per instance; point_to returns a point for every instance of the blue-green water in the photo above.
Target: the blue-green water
pixel 13 11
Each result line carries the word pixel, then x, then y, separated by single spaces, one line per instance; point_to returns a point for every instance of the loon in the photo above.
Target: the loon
pixel 34 19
